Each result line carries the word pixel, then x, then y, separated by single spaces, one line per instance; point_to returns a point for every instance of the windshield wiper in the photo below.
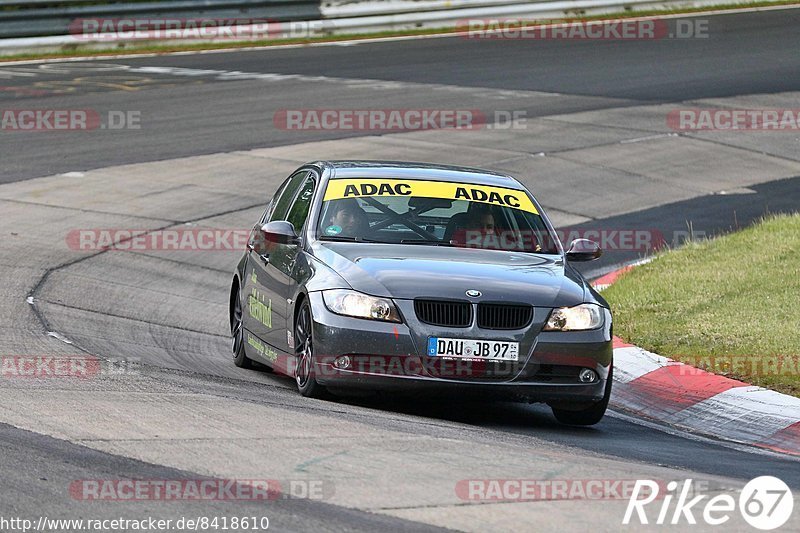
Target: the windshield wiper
pixel 425 241
pixel 343 238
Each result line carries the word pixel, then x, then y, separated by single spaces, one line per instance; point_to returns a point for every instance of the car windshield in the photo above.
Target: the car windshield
pixel 433 213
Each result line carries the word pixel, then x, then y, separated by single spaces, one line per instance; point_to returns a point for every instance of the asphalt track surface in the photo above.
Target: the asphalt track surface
pixel 743 54
pixel 34 482
pixel 201 114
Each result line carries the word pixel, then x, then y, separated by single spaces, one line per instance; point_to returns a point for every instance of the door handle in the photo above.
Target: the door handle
pixel 264 257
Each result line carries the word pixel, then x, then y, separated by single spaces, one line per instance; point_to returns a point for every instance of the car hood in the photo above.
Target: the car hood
pixel 411 271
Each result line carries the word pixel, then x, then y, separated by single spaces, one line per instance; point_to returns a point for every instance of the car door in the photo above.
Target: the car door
pixel 264 305
pixel 280 282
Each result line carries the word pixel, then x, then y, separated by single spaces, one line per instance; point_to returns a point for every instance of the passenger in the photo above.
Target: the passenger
pixel 475 229
pixel 484 222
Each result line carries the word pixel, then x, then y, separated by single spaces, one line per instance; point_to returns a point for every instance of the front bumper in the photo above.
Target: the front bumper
pixel 390 357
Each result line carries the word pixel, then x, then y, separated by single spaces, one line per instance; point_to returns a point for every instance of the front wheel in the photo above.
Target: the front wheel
pixel 240 358
pixel 591 415
pixel 304 350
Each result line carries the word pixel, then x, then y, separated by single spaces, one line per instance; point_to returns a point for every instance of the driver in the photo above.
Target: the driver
pixel 347 218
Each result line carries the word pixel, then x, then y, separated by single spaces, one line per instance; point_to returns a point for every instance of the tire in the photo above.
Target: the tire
pixel 588 416
pixel 304 350
pixel 240 358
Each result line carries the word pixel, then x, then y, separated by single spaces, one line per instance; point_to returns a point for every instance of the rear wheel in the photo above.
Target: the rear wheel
pixel 240 359
pixel 590 415
pixel 304 350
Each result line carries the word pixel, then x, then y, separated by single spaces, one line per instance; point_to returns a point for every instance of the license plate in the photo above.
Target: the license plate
pixel 473 349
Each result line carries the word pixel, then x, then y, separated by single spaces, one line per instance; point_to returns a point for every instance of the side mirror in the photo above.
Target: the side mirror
pixel 583 250
pixel 280 232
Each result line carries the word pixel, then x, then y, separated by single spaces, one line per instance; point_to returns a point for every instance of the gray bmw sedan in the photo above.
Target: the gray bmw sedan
pixel 400 276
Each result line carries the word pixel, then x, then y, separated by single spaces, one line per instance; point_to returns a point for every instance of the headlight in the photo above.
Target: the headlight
pixel 580 317
pixel 352 303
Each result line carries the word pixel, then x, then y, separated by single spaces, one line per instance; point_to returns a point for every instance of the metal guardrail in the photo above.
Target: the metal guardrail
pixel 38 18
pixel 361 8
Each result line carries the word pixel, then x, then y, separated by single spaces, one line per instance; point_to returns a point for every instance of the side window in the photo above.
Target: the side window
pixel 282 200
pixel 271 204
pixel 299 211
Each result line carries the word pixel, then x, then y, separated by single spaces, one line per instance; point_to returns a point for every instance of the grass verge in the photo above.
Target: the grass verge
pixel 730 305
pixel 151 48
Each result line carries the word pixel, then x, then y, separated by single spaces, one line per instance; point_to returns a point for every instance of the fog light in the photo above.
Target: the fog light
pixel 587 375
pixel 342 362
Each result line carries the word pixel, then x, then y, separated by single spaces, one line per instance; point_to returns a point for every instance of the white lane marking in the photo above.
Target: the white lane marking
pixel 740 190
pixel 82 67
pixel 237 75
pixel 368 40
pixel 648 138
pixel 58 336
pixel 73 174
pixel 8 73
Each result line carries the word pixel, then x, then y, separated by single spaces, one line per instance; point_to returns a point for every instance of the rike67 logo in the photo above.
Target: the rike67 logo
pixel 765 503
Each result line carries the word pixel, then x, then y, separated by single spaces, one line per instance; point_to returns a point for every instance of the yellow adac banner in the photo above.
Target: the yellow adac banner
pixel 355 188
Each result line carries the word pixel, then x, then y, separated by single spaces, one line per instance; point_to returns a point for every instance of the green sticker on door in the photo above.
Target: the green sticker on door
pixel 258 309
